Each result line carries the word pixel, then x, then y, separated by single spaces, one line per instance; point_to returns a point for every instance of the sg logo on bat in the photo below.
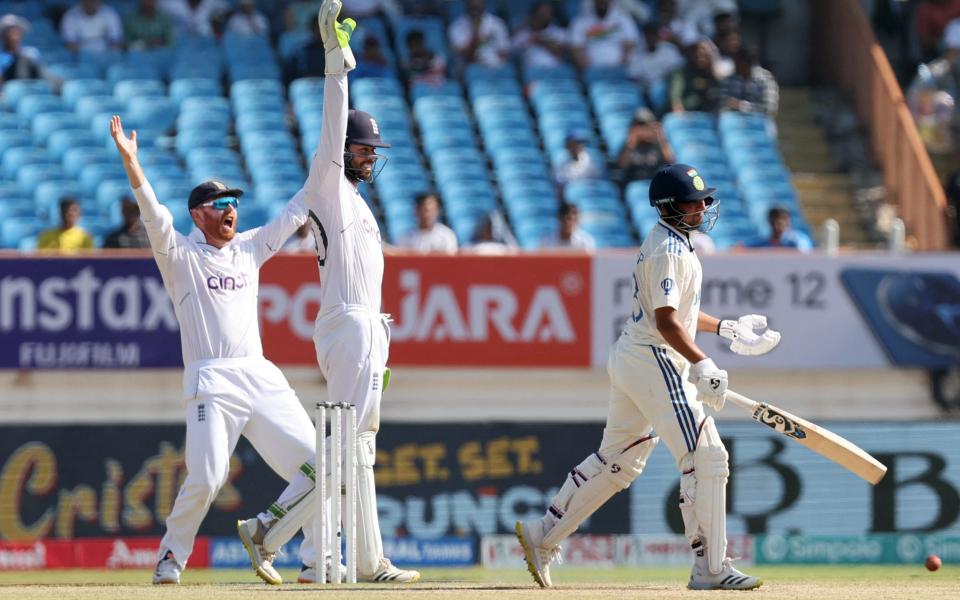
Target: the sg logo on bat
pixel 778 422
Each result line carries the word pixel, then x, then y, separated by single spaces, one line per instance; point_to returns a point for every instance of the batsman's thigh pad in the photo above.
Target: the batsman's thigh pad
pixel 709 498
pixel 590 484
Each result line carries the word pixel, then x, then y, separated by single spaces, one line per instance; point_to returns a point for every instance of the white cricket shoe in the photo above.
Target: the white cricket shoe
pixel 168 569
pixel 387 573
pixel 251 533
pixel 531 534
pixel 308 574
pixel 728 579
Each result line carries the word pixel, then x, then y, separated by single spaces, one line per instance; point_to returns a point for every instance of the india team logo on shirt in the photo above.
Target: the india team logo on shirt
pixel 667 286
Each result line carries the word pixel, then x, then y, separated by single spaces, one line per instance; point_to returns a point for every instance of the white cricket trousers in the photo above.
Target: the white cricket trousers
pixel 649 391
pixel 352 346
pixel 223 399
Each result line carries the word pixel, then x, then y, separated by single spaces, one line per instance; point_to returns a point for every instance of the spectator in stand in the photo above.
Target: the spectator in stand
pixel 724 52
pixel 702 14
pixel 16 60
pixel 654 59
pixel 568 234
pixel 751 88
pixel 69 236
pixel 645 149
pixel 132 234
pixel 673 28
pixel 359 9
pixel 371 62
pixel 578 164
pixel 308 59
pixel 695 87
pixel 492 237
pixel 931 18
pixel 603 35
pixel 302 240
pixel 247 20
pixel 147 28
pixel 782 235
pixel 430 236
pixel 194 17
pixel 423 65
pixel 91 27
pixel 541 42
pixel 480 37
pixel 931 95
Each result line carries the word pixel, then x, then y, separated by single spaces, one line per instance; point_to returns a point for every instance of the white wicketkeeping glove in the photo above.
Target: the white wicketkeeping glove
pixel 711 383
pixel 336 38
pixel 744 338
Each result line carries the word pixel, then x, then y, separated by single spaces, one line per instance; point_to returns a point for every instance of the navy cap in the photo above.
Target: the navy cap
pixel 678 183
pixel 363 129
pixel 211 190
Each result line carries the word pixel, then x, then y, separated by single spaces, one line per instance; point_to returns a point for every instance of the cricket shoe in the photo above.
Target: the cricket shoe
pixel 531 534
pixel 728 579
pixel 308 574
pixel 168 569
pixel 387 573
pixel 251 533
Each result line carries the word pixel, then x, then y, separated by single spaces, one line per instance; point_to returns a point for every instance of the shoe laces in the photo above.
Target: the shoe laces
pixel 554 554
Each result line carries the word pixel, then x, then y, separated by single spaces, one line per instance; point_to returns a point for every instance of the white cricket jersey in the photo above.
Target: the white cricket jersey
pixel 350 253
pixel 667 273
pixel 214 290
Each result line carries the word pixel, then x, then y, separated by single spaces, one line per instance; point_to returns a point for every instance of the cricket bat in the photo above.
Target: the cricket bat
pixel 822 441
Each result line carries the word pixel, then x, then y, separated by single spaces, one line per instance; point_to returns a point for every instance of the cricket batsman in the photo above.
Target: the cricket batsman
pixel 660 381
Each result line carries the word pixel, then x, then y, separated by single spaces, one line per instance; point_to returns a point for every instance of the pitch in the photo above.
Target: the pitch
pixel 823 583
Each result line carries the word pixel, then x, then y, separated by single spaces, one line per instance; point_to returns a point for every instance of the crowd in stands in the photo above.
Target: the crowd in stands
pixel 517 124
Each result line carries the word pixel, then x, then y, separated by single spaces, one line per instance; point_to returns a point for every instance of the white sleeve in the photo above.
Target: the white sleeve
pixel 270 238
pixel 326 168
pixel 631 35
pixel 663 275
pixel 501 35
pixel 459 33
pixel 68 29
pixel 158 222
pixel 578 33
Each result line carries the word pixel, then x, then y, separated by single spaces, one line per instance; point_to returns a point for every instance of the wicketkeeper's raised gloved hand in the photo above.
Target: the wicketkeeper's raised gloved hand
pixel 744 338
pixel 711 383
pixel 336 38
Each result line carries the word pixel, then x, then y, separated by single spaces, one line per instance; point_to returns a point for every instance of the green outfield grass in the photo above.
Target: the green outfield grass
pixel 828 582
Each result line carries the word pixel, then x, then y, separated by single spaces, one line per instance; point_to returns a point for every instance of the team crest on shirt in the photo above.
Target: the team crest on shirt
pixel 667 286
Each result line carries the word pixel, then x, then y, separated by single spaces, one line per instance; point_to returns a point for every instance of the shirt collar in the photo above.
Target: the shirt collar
pixel 683 235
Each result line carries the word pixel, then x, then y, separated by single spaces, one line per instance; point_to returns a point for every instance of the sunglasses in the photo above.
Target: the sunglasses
pixel 223 203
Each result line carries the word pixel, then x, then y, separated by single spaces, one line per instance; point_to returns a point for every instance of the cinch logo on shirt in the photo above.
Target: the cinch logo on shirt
pixel 228 282
pixel 666 285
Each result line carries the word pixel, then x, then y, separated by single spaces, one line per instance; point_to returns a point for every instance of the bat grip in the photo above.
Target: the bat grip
pixel 741 401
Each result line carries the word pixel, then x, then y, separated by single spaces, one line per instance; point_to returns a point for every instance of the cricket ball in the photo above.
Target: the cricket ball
pixel 932 563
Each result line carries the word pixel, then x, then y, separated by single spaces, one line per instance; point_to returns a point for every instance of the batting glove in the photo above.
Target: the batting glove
pixel 336 38
pixel 711 383
pixel 744 338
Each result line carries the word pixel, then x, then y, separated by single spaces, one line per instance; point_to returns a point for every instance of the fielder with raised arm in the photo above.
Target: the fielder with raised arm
pixel 650 392
pixel 351 335
pixel 229 388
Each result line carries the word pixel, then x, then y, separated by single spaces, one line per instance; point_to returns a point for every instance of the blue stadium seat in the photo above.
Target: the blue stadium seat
pixel 74 159
pixel 204 104
pixel 257 142
pixel 68 70
pixel 75 89
pixel 126 89
pixel 31 105
pixel 88 106
pixel 290 41
pixel 16 89
pixel 15 229
pixel 202 67
pixel 60 141
pixel 14 138
pixel 188 140
pixel 193 87
pixel 17 157
pixel 110 192
pixel 123 72
pixel 92 174
pixel 200 156
pixel 560 72
pixel 243 71
pixel 306 88
pixel 10 121
pixel 208 120
pixel 43 124
pixel 250 122
pixel 29 176
pixel 159 112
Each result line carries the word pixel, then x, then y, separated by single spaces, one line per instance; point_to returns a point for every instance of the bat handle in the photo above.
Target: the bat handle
pixel 741 401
